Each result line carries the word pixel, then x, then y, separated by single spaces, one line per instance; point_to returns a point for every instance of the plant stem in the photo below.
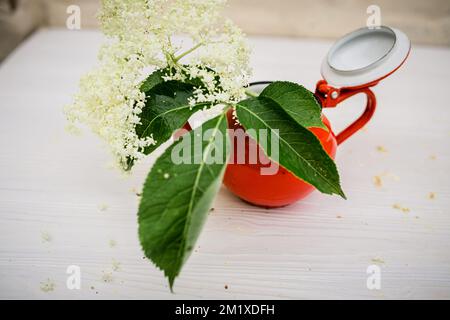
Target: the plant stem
pixel 251 93
pixel 198 45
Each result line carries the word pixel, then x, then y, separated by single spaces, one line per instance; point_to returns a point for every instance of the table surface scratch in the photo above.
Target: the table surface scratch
pixel 61 205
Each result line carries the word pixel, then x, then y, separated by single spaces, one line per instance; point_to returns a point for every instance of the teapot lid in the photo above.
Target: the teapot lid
pixel 365 56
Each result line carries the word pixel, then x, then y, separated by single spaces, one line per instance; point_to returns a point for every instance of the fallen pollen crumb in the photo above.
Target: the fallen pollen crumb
pixel 431 195
pixel 433 157
pixel 115 265
pixel 107 277
pixel 112 243
pixel 381 149
pixel 401 208
pixel 339 216
pixel 377 181
pixel 103 207
pixel 47 286
pixel 46 237
pixel 377 260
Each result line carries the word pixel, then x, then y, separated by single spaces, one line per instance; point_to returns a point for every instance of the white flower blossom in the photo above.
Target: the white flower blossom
pixel 141 37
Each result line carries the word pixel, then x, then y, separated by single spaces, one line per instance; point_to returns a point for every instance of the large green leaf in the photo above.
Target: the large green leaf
pixel 177 197
pixel 297 101
pixel 166 110
pixel 300 151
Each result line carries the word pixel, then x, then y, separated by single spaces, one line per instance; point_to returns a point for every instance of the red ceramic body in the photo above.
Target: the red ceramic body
pixel 246 181
pixel 283 188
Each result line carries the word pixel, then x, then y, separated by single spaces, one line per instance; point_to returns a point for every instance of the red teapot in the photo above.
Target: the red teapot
pixel 354 64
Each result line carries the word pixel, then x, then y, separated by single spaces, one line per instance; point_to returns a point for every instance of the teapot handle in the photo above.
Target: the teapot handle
pixel 330 97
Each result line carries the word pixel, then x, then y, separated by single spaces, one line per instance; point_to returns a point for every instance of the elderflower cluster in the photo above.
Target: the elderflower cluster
pixel 146 35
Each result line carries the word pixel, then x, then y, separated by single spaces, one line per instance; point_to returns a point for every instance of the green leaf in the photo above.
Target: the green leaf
pixel 298 102
pixel 152 80
pixel 166 110
pixel 300 151
pixel 177 197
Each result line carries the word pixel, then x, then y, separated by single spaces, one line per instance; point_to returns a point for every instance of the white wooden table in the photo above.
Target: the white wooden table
pixel 61 205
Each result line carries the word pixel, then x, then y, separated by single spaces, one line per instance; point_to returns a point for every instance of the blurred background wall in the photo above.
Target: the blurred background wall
pixel 425 21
